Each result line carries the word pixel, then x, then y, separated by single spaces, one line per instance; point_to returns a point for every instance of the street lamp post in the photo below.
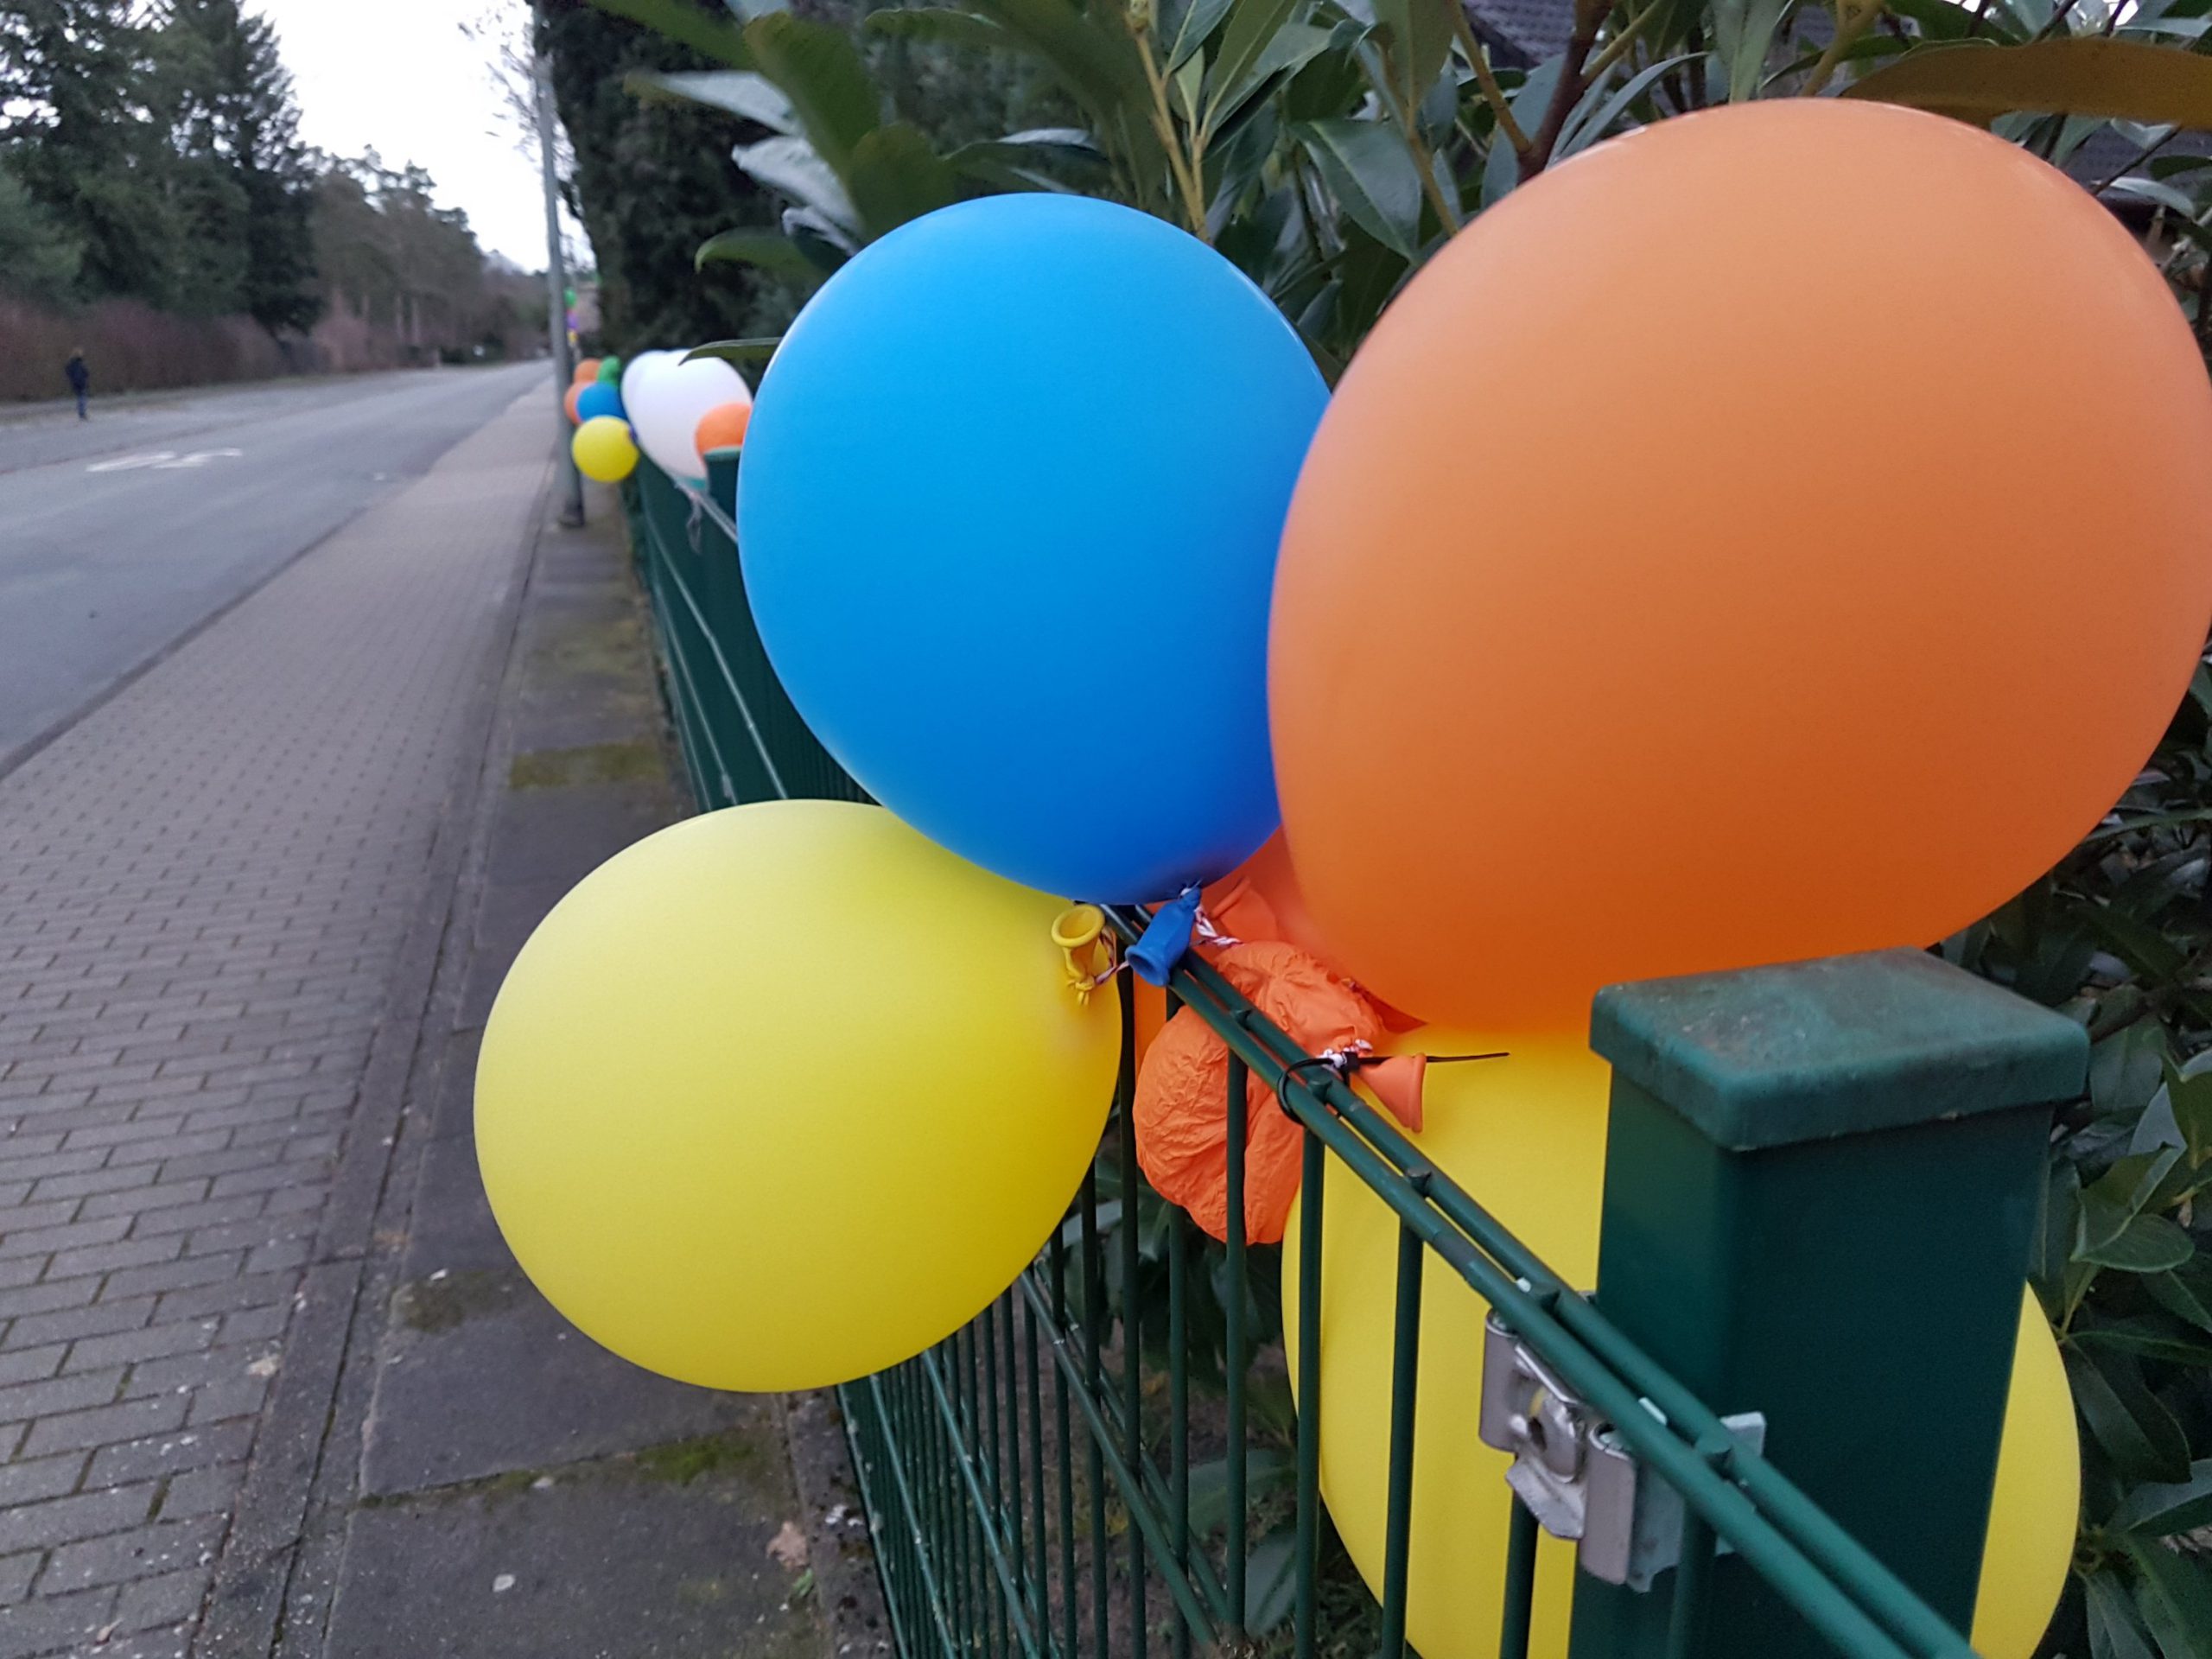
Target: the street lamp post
pixel 556 285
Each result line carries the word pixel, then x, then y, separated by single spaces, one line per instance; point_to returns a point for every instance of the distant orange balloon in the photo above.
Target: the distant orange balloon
pixel 1783 531
pixel 723 427
pixel 568 399
pixel 587 370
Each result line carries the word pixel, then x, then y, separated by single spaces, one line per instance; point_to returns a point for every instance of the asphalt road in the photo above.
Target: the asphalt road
pixel 117 535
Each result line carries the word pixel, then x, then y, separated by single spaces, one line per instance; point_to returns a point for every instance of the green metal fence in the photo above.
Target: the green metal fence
pixel 1101 1463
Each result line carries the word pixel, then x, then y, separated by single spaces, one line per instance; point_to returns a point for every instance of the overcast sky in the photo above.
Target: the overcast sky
pixel 398 75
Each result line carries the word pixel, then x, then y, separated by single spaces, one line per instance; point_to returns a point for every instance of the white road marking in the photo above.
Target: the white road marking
pixel 198 458
pixel 165 460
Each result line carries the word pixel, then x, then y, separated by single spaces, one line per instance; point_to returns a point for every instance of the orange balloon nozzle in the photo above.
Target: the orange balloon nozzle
pixel 1396 1082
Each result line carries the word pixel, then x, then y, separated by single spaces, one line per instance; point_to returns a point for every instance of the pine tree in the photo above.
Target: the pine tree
pixel 38 260
pixel 244 184
pixel 74 118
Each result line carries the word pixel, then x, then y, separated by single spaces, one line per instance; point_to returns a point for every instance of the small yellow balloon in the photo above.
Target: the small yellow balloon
pixel 785 1094
pixel 1525 1136
pixel 604 449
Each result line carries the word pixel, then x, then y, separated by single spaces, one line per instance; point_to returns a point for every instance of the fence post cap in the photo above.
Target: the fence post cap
pixel 1809 1051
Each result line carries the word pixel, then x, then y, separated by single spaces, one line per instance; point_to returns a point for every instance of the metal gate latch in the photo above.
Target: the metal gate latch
pixel 1574 1474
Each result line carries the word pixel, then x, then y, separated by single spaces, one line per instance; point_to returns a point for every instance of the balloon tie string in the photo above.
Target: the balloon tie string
pixel 1209 933
pixel 1083 984
pixel 1343 1061
pixel 1339 1062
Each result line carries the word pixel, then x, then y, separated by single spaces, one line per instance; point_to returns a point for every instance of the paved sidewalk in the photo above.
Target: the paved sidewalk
pixel 220 893
pixel 518 1491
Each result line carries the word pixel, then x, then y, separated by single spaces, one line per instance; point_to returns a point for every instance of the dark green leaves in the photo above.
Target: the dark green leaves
pixel 794 168
pixel 742 92
pixel 2117 1230
pixel 819 70
pixel 2160 1509
pixel 1185 26
pixel 1270 1582
pixel 2137 1433
pixel 896 176
pixel 2115 1628
pixel 738 351
pixel 1416 37
pixel 1252 29
pixel 2186 1293
pixel 1370 173
pixel 767 248
pixel 2174 1594
pixel 1743 33
pixel 941 24
pixel 708 36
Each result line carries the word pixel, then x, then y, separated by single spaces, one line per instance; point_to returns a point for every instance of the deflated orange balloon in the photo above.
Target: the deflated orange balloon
pixel 1783 531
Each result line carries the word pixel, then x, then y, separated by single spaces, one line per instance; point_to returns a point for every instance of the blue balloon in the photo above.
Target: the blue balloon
pixel 598 398
pixel 1012 492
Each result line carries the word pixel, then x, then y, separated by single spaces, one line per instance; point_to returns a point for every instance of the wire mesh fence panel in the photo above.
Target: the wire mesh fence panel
pixel 741 738
pixel 1107 1459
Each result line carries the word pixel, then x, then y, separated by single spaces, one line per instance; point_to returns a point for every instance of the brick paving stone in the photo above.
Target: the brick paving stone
pixel 65 1520
pixel 164 1600
pixel 31 1364
pixel 162 1547
pixel 161 1454
pixel 170 1641
pixel 103 1424
pixel 68 1624
pixel 188 991
pixel 206 1490
pixel 28 1480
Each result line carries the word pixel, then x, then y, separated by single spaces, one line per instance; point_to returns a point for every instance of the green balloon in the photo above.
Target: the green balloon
pixel 610 370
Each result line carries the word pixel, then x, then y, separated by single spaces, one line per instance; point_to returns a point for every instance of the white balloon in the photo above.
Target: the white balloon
pixel 672 398
pixel 633 374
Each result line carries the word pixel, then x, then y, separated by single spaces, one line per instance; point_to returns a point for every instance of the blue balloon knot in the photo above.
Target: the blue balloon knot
pixel 1166 941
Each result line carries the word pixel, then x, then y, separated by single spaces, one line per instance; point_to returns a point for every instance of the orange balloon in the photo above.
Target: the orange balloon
pixel 723 427
pixel 1150 1013
pixel 1261 899
pixel 568 399
pixel 1783 530
pixel 587 372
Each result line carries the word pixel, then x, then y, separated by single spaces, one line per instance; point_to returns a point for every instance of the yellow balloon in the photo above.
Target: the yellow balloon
pixel 604 449
pixel 1525 1136
pixel 786 1093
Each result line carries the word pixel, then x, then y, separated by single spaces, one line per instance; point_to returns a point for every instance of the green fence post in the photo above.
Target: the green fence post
pixel 721 479
pixel 1822 1183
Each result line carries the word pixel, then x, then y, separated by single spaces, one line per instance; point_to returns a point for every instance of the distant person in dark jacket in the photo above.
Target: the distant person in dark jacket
pixel 80 380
